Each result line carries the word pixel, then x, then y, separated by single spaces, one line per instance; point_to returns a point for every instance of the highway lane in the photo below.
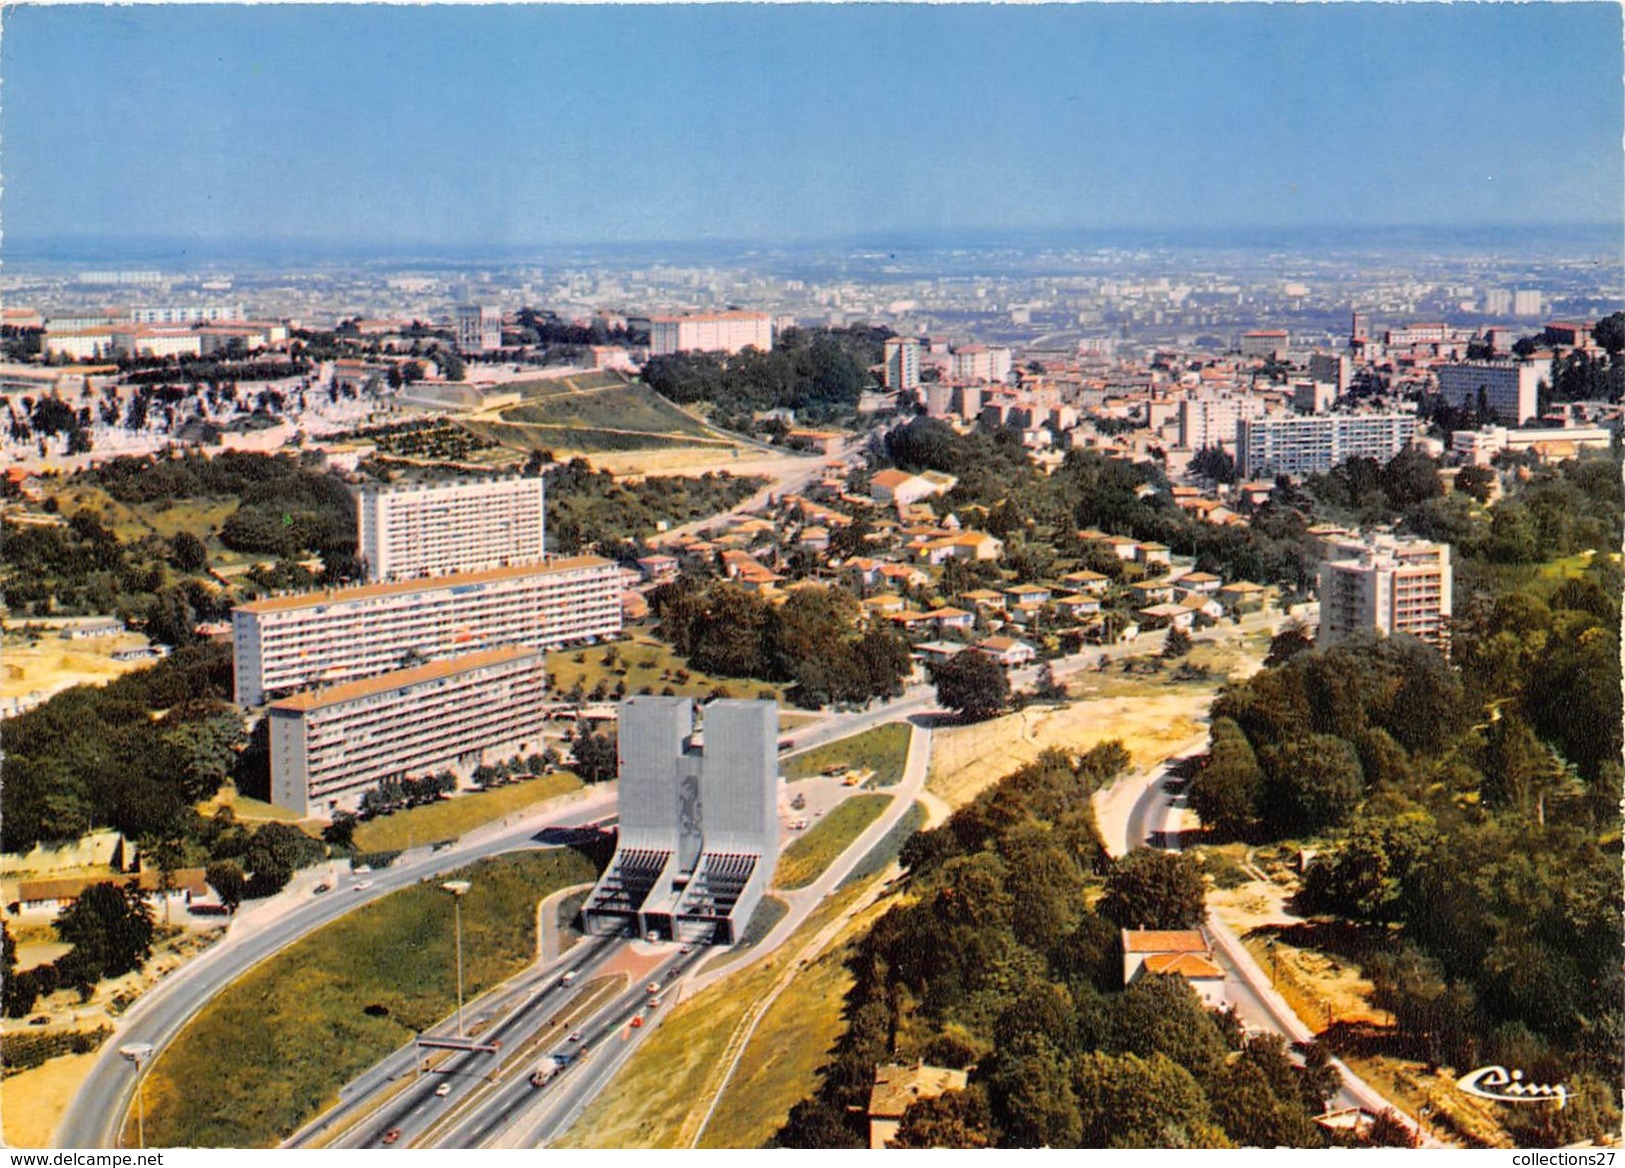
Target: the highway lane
pixel 519 1115
pixel 96 1114
pixel 538 990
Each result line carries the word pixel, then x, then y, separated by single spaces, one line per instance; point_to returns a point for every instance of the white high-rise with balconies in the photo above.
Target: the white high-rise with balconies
pixel 287 643
pixel 406 531
pixel 329 746
pixel 1386 585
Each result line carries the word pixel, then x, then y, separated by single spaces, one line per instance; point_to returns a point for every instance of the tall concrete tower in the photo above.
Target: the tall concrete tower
pixel 699 830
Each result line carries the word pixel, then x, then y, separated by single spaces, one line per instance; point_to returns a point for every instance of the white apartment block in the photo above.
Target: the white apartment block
pixel 330 745
pixel 1210 420
pixel 981 363
pixel 1387 585
pixel 1527 302
pixel 479 328
pixel 1510 388
pixel 288 643
pixel 187 314
pixel 902 371
pixel 1266 447
pixel 710 332
pixel 407 531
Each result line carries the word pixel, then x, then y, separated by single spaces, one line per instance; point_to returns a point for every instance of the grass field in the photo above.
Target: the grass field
pixel 642 660
pixel 610 405
pixel 273 1050
pixel 451 818
pixel 645 1106
pixel 808 855
pixel 248 810
pixel 780 1065
pixel 883 750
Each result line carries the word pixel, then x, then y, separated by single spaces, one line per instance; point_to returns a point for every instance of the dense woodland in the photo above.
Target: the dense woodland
pixel 995 962
pixel 818 373
pixel 814 640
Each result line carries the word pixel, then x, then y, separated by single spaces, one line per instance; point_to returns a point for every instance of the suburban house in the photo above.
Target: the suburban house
pixel 898 1087
pixel 658 568
pixel 1173 616
pixel 1153 553
pixel 1242 596
pixel 1185 953
pixel 951 618
pixel 1007 651
pixel 46 898
pixel 1028 594
pixel 1086 581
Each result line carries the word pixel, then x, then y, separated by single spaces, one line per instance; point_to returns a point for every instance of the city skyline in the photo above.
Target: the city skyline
pixel 481 128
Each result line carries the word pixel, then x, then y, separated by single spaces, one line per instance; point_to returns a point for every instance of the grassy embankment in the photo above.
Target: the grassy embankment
pixel 592 413
pixel 272 1050
pixel 883 750
pixel 451 818
pixel 808 855
pixel 644 660
pixel 674 1071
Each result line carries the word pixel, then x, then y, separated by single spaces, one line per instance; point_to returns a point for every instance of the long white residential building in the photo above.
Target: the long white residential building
pixel 288 643
pixel 330 745
pixel 1266 447
pixel 432 529
pixel 1387 586
pixel 710 332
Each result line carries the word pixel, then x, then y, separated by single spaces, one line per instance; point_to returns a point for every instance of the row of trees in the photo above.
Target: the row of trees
pixel 587 507
pixel 814 640
pixel 995 964
pixel 819 373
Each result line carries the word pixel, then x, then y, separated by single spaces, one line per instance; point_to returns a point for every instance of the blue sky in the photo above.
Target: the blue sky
pixel 544 125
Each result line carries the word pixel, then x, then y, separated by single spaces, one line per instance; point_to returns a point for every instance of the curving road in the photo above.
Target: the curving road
pixel 1155 822
pixel 95 1117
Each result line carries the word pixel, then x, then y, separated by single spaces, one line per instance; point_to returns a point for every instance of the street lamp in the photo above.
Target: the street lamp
pixel 457 888
pixel 138 1053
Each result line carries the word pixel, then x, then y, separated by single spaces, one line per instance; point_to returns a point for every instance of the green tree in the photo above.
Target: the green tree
pixel 227 880
pixel 1310 783
pixel 110 928
pixel 187 553
pixel 1225 792
pixel 596 757
pixel 1126 1101
pixel 1032 1098
pixel 954 1119
pixel 1155 890
pixel 1177 644
pixel 972 684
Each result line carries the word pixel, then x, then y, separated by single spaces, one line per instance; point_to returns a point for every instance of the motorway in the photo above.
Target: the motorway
pixel 95 1116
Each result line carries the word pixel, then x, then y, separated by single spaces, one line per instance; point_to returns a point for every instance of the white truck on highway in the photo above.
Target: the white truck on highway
pixel 544 1071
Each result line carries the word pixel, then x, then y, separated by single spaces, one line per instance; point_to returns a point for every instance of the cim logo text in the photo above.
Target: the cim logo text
pixel 1508 1087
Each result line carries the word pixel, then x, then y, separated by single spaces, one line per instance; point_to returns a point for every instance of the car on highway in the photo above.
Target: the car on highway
pixel 321 888
pixel 363 886
pixel 637 1022
pixel 654 1002
pixel 392 1135
pixel 442 1091
pixel 652 988
pixel 686 949
pixel 577 1036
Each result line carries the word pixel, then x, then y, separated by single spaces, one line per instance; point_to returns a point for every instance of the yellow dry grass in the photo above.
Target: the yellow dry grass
pixel 966 760
pixel 33 1101
pixel 50 664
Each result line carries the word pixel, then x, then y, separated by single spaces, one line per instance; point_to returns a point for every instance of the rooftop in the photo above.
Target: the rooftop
pixel 425 584
pixel 350 691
